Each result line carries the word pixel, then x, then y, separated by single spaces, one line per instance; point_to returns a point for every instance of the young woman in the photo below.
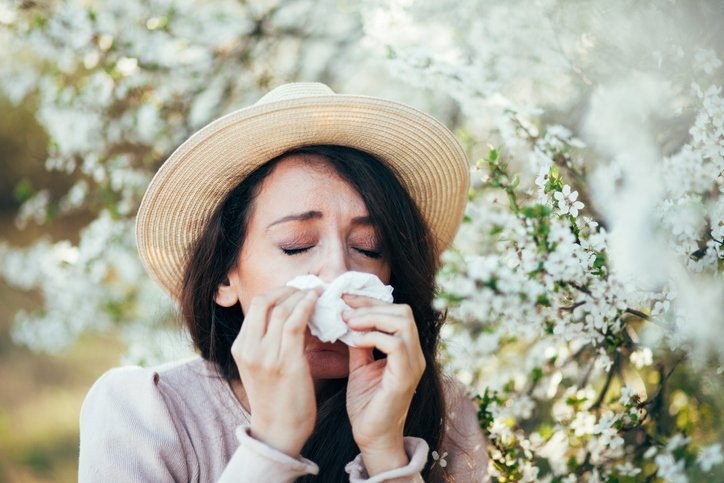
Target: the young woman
pixel 304 182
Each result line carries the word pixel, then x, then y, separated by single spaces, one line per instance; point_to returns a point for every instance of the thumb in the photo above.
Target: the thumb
pixel 359 356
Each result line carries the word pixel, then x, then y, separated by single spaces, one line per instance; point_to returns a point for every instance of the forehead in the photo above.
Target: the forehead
pixel 305 182
pixel 299 167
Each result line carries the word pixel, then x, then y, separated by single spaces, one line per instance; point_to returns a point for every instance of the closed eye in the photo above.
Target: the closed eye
pixel 369 253
pixel 294 251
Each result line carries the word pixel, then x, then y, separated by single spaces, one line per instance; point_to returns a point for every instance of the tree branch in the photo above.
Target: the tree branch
pixel 609 377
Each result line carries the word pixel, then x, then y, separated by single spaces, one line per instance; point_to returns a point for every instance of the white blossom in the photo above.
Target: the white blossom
pixel 710 456
pixel 567 201
pixel 641 358
pixel 627 469
pixel 439 458
pixel 670 469
pixel 626 393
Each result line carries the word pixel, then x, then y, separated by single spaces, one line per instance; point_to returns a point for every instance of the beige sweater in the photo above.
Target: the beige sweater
pixel 181 422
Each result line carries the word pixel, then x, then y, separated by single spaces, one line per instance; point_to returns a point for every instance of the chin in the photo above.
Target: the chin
pixel 328 364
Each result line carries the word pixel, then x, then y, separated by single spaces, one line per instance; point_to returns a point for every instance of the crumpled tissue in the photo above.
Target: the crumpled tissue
pixel 326 323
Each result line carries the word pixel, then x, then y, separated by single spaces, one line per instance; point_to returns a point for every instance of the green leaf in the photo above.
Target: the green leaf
pixel 493 155
pixel 536 211
pixel 536 374
pixel 600 260
pixel 543 300
pixel 23 190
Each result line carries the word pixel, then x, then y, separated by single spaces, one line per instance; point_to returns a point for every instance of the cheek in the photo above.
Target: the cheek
pixel 383 273
pixel 253 286
pixel 388 275
pixel 259 274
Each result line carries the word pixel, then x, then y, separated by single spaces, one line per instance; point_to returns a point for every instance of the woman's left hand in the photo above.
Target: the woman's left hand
pixel 379 392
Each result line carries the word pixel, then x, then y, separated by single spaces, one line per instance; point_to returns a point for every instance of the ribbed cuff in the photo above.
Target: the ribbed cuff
pixel 416 449
pixel 255 454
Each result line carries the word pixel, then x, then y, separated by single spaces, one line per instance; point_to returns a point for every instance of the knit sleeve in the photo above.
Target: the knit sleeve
pixel 416 449
pixel 463 452
pixel 464 441
pixel 127 432
pixel 256 461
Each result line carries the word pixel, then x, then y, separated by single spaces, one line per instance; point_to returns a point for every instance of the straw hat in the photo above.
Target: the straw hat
pixel 194 180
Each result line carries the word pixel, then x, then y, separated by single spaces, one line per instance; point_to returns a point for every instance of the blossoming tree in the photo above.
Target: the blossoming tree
pixel 584 290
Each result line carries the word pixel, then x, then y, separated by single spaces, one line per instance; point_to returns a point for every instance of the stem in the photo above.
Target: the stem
pixel 609 377
pixel 587 375
pixel 574 306
pixel 579 288
pixel 530 135
pixel 662 382
pixel 647 318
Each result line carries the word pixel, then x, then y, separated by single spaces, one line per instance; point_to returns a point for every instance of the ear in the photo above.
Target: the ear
pixel 226 295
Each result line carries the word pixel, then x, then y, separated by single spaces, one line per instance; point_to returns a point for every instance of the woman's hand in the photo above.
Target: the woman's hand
pixel 379 392
pixel 269 352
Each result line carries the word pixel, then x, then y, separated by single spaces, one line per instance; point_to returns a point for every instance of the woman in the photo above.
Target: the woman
pixel 304 182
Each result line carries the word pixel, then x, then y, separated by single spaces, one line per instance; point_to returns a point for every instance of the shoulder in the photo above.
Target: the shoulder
pixel 131 404
pixel 454 388
pixel 461 410
pixel 125 398
pixel 146 388
pixel 464 439
pixel 119 387
pixel 458 400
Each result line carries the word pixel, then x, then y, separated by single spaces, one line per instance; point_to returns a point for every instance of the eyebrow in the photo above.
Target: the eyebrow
pixel 315 215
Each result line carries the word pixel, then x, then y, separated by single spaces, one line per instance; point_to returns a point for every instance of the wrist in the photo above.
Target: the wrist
pixel 384 457
pixel 276 440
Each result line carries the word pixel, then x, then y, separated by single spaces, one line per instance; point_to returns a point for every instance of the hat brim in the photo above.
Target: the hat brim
pixel 423 154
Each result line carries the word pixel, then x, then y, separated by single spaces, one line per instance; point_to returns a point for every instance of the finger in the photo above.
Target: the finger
pixel 254 324
pixel 391 319
pixel 359 357
pixel 400 310
pixel 386 323
pixel 398 358
pixel 278 316
pixel 361 301
pixel 292 344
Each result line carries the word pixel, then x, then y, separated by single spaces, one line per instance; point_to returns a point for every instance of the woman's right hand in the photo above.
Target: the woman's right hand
pixel 269 353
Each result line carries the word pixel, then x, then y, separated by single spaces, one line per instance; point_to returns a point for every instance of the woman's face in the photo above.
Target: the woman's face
pixel 307 220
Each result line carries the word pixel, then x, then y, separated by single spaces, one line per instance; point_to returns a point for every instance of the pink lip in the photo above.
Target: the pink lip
pixel 325 348
pixel 320 349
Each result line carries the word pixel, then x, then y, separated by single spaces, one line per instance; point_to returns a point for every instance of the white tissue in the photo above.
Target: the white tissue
pixel 326 323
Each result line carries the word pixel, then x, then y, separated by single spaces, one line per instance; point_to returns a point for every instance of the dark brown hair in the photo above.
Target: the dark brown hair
pixel 409 250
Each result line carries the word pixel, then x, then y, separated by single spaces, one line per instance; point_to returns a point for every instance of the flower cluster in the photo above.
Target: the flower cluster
pixel 587 276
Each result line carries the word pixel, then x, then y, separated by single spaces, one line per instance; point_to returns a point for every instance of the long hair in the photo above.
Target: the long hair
pixel 409 251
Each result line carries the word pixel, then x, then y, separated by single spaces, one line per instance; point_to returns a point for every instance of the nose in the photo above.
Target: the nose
pixel 333 261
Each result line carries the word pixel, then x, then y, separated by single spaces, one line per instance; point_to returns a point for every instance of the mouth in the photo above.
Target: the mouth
pixel 316 346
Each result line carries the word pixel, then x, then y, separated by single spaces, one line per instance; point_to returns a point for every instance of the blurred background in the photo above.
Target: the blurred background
pixel 619 102
pixel 41 393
